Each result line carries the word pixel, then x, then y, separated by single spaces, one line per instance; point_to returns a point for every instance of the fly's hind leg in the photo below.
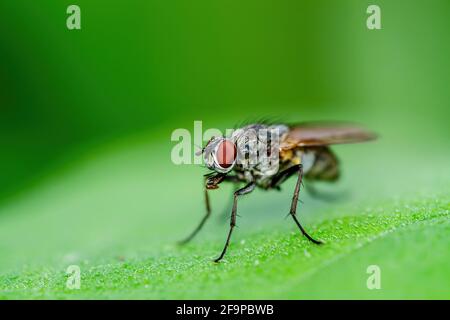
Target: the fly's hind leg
pixel 293 211
pixel 279 179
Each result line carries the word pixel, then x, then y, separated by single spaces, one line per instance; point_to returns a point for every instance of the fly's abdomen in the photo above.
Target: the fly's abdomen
pixel 324 166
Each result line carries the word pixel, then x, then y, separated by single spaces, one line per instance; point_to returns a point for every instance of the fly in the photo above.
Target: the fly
pixel 264 156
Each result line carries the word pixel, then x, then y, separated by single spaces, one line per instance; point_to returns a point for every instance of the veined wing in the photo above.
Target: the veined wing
pixel 323 134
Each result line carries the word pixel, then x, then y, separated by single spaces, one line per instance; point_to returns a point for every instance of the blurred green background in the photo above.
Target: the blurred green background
pixel 86 115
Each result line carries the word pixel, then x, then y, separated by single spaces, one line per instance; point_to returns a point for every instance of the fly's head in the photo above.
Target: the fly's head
pixel 220 156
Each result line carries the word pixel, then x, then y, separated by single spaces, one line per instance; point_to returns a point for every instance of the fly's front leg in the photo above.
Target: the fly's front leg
pixel 294 204
pixel 202 222
pixel 247 189
pixel 210 183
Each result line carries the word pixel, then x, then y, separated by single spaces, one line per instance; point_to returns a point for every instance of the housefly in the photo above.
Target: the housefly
pixel 264 156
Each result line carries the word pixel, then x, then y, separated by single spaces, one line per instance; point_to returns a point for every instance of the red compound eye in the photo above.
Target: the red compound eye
pixel 226 153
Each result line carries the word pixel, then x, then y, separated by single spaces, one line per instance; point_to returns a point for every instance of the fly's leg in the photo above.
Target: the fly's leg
pixel 293 210
pixel 208 206
pixel 202 222
pixel 236 181
pixel 247 189
pixel 222 217
pixel 279 179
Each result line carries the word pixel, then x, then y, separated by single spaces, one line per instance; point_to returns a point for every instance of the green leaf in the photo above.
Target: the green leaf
pixel 118 214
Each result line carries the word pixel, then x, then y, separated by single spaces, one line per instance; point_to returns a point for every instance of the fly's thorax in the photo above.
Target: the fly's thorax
pixel 258 148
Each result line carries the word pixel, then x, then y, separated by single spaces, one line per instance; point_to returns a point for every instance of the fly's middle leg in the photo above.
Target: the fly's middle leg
pixel 245 190
pixel 225 212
